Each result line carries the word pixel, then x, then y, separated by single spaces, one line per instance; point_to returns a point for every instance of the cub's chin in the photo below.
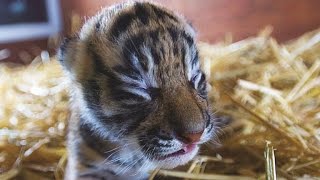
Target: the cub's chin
pixel 177 158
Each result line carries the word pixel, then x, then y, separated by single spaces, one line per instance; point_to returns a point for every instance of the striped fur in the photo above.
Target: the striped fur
pixel 136 81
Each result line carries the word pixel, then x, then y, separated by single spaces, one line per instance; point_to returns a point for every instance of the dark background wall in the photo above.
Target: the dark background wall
pixel 213 18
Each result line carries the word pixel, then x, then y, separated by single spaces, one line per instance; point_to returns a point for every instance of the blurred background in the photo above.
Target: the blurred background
pixel 26 25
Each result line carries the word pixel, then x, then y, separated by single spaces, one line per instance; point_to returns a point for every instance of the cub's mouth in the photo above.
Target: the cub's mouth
pixel 183 151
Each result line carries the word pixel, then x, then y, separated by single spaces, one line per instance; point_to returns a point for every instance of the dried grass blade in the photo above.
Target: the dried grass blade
pixel 270 162
pixel 202 176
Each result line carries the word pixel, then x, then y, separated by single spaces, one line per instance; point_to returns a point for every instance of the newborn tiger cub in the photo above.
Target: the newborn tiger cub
pixel 138 95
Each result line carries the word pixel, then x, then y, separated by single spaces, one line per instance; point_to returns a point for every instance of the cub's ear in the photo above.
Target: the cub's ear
pixel 66 52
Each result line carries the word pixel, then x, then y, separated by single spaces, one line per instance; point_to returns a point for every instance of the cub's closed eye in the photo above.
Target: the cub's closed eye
pixel 194 80
pixel 202 80
pixel 198 80
pixel 203 91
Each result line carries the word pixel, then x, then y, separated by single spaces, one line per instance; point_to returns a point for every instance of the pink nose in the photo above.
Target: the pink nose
pixel 190 138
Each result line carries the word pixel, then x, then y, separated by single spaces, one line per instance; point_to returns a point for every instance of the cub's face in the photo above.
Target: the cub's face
pixel 137 81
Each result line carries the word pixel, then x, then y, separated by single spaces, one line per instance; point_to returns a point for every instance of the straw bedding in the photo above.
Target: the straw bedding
pixel 270 93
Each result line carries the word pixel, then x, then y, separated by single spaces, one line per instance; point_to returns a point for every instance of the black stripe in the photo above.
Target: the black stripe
pixel 176 65
pixel 142 13
pixel 92 92
pixel 133 86
pixel 63 48
pixel 99 66
pixel 195 59
pixel 158 132
pixel 202 79
pixel 188 38
pixel 174 33
pixel 121 24
pixel 175 50
pixel 183 56
pixel 132 119
pixel 124 95
pixel 85 164
pixel 162 51
pixel 140 112
pixel 146 143
pixel 132 47
pixel 98 23
pixel 202 87
pixel 155 55
pixel 92 139
pixel 154 35
pixel 128 72
pixel 161 14
pixel 207 118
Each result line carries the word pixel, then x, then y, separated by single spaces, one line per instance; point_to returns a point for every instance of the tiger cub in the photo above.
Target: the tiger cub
pixel 138 95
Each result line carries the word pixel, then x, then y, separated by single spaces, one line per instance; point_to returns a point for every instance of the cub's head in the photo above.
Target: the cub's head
pixel 136 77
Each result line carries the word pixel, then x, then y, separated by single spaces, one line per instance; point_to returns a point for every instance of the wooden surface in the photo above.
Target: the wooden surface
pixel 213 18
pixel 24 52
